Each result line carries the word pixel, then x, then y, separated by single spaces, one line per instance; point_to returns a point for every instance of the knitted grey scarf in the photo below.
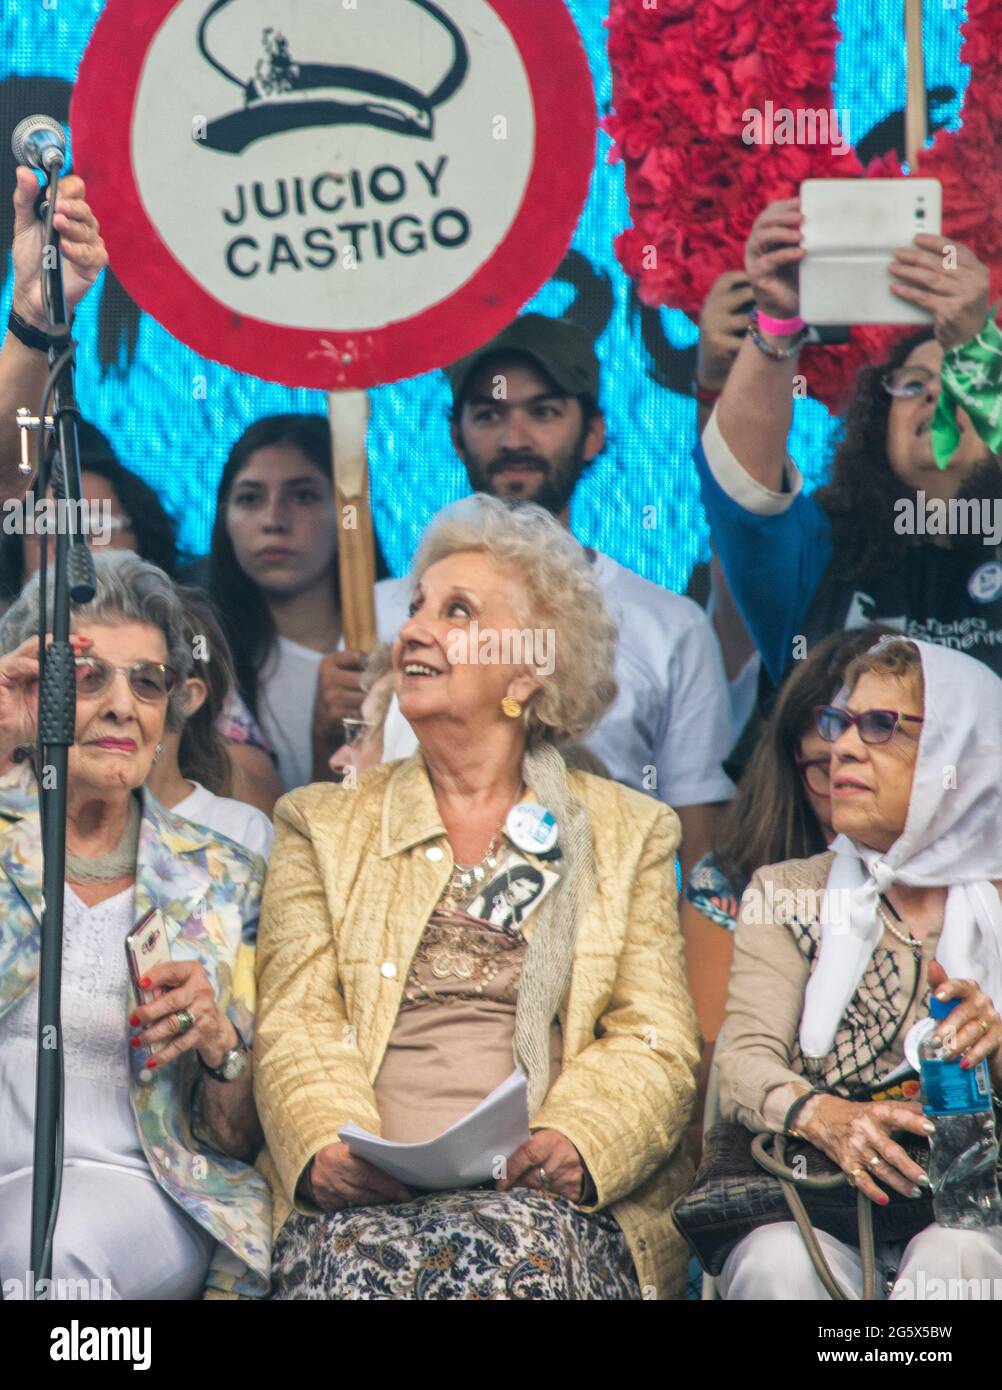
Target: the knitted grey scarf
pixel 546 972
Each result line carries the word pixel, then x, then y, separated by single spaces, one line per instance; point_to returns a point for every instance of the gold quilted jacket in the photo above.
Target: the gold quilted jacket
pixel 352 881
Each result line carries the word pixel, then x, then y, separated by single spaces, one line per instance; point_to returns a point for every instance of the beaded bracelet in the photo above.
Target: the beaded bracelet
pixel 775 354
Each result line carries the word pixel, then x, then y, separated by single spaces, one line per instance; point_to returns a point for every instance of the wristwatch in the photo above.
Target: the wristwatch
pixel 234 1062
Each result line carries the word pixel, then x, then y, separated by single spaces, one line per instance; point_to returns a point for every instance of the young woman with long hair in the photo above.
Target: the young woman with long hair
pixel 273 575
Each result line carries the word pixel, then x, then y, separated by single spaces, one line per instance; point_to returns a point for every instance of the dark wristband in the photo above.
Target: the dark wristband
pixel 794 1111
pixel 27 333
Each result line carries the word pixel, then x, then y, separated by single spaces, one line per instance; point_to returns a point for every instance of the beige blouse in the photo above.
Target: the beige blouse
pixel 452 1042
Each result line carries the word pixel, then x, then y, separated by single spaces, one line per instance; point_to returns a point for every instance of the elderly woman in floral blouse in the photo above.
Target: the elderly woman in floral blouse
pixel 159 1197
pixel 405 967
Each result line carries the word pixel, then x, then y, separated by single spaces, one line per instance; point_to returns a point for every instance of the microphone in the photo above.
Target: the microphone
pixel 39 142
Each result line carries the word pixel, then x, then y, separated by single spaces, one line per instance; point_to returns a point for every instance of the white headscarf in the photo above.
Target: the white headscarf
pixel 952 838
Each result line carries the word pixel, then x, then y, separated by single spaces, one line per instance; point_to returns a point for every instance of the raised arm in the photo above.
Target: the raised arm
pixel 774 543
pixel 23 369
pixel 755 409
pixel 723 323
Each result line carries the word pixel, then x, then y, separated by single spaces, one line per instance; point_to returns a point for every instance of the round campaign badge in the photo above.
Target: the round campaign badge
pixel 986 582
pixel 532 827
pixel 329 194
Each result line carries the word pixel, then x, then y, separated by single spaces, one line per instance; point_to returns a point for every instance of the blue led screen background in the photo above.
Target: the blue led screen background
pixel 172 415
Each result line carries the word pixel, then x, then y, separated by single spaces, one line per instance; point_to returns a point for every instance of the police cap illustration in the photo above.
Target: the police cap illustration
pixel 335 193
pixel 295 73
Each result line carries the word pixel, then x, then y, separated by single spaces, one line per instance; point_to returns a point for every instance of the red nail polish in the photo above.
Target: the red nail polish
pixel 135 1042
pixel 133 1020
pixel 884 1200
pixel 145 982
pixel 966 1063
pixel 152 1063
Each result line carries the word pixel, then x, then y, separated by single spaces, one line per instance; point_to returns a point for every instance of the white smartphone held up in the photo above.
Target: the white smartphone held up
pixel 146 946
pixel 851 229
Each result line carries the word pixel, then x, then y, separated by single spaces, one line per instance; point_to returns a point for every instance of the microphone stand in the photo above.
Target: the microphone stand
pixel 74 581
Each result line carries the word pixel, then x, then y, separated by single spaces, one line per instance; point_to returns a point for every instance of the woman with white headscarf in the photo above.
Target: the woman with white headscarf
pixel 835 957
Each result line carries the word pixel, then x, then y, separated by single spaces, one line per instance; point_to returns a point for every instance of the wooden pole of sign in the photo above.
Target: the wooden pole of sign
pixel 916 118
pixel 348 412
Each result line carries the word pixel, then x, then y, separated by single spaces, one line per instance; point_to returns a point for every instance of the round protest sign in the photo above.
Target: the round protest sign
pixel 334 193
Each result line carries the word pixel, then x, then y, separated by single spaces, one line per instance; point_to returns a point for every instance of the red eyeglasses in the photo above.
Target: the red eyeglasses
pixel 874 725
pixel 816 773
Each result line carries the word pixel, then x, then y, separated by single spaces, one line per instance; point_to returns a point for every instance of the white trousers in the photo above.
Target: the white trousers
pixel 118 1236
pixel 939 1263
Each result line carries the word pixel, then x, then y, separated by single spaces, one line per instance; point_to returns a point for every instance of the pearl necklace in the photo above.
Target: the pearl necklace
pixel 908 940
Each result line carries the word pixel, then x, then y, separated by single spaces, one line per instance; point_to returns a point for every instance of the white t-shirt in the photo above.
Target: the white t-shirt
pixel 743 691
pixel 670 725
pixel 287 692
pixel 234 819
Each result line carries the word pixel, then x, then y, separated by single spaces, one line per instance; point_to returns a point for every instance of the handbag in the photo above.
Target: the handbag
pixel 745 1181
pixel 749 1180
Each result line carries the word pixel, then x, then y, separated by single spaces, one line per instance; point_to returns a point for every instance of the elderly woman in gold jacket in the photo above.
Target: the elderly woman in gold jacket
pixel 415 946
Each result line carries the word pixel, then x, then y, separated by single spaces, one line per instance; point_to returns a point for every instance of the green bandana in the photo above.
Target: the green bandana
pixel 972 377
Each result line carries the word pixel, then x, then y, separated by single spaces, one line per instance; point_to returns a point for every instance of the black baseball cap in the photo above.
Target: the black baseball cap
pixel 562 349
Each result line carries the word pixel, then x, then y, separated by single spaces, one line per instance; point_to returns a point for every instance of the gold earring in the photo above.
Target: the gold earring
pixel 511 707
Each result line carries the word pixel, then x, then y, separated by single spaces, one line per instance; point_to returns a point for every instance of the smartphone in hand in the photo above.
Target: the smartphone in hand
pixel 146 946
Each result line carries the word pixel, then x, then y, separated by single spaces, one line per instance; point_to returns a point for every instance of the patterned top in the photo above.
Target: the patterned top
pixel 462 958
pixel 208 890
pixel 709 889
pixel 238 725
pixel 890 997
pixel 452 1042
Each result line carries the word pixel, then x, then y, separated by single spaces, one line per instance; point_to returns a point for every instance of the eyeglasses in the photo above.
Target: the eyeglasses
pixel 356 731
pixel 874 725
pixel 148 680
pixel 905 383
pixel 816 773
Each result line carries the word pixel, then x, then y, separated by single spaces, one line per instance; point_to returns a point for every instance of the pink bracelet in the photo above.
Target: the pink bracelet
pixel 780 327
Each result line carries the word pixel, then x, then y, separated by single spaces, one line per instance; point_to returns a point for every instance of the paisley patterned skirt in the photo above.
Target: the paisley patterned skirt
pixel 473 1244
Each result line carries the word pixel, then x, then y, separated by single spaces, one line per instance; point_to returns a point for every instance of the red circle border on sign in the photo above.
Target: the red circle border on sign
pixel 101 121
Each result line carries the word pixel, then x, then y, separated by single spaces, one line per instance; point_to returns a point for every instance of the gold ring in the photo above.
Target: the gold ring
pixel 875 1161
pixel 853 1175
pixel 544 1178
pixel 185 1020
pixel 984 1025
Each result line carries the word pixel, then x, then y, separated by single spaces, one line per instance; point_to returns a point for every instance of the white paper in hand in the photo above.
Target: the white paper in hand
pixel 465 1155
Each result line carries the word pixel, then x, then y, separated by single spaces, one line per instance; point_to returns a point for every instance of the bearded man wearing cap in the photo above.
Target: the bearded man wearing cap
pixel 527 424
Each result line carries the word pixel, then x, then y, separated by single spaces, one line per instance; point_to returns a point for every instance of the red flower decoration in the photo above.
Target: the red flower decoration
pixel 683 76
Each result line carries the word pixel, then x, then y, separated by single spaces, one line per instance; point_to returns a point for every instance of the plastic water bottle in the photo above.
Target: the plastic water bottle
pixel 963 1151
